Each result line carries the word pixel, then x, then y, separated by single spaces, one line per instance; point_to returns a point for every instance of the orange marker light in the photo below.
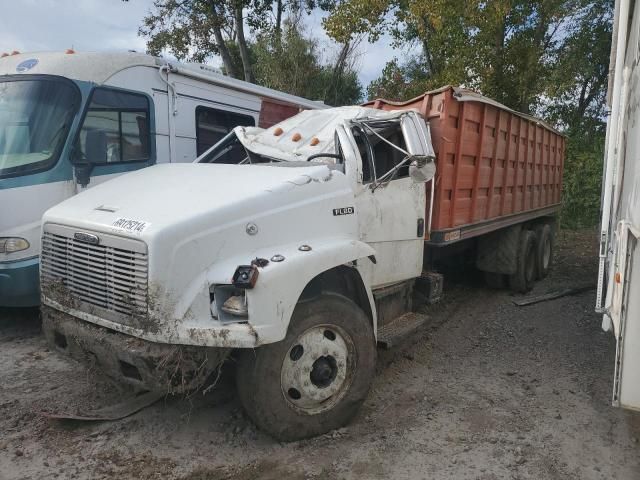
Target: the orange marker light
pixel 296 137
pixel 314 141
pixel 618 277
pixel 277 132
pixel 70 51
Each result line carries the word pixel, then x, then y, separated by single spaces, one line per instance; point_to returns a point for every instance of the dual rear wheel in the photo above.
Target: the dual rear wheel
pixel 534 254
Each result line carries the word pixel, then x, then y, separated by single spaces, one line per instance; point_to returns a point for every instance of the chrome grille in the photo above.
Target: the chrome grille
pixel 111 275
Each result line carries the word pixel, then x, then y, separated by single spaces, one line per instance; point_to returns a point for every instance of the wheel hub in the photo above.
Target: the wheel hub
pixel 324 371
pixel 317 370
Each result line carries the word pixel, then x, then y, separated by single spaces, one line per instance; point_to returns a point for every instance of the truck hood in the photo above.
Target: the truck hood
pixel 144 202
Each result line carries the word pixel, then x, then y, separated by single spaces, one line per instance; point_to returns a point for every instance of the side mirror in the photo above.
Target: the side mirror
pixel 422 168
pixel 82 172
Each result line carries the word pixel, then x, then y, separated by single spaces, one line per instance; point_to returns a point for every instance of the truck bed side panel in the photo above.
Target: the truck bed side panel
pixel 491 162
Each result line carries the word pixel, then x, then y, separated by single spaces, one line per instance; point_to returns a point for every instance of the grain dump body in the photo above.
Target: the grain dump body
pixel 495 167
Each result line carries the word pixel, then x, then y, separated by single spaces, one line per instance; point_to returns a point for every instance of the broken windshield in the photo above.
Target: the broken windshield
pixel 230 150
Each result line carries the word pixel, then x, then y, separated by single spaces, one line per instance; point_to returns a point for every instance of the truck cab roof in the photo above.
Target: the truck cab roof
pixel 308 133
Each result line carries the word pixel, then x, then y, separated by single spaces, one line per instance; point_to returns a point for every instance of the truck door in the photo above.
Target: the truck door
pixel 625 315
pixel 116 134
pixel 391 205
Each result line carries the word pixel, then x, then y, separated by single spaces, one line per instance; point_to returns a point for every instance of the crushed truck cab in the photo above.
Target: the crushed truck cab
pixel 223 253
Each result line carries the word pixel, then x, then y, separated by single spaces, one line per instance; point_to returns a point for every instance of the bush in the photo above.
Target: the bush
pixel 582 182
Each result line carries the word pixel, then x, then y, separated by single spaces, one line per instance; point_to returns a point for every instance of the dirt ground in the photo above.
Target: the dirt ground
pixel 488 390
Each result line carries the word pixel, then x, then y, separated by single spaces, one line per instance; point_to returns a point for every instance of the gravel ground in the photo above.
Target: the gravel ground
pixel 488 390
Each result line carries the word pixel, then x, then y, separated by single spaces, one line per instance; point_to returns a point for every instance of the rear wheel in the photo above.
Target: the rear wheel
pixel 522 280
pixel 315 379
pixel 544 250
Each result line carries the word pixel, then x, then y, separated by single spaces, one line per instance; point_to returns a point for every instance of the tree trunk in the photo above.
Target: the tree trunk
pixel 278 28
pixel 242 43
pixel 227 61
pixel 338 71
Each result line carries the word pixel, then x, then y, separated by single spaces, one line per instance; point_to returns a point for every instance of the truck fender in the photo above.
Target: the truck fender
pixel 280 282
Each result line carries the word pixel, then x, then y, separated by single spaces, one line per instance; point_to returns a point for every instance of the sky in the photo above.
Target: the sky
pixel 112 25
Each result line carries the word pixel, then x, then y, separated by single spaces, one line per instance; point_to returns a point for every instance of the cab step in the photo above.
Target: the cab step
pixel 399 329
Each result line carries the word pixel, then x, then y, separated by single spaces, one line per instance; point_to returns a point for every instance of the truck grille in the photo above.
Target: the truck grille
pixel 111 275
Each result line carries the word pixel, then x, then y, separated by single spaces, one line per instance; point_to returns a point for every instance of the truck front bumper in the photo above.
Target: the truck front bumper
pixel 145 365
pixel 19 283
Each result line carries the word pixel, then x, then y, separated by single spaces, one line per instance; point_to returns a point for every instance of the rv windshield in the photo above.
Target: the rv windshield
pixel 35 116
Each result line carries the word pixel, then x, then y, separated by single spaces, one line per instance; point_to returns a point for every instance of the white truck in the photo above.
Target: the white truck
pixel 619 275
pixel 293 248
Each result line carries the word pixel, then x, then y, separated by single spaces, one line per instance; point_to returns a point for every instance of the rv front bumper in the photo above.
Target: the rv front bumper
pixel 145 365
pixel 20 283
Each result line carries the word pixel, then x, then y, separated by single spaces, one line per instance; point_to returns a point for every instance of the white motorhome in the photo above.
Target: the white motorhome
pixel 618 296
pixel 70 120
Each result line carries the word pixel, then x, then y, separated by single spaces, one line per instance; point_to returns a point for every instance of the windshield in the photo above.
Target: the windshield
pixel 230 150
pixel 35 116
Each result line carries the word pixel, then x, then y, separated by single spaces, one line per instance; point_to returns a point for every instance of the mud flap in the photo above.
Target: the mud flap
pixel 112 412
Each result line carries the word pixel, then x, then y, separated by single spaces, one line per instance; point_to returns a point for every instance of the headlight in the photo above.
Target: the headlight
pixel 12 244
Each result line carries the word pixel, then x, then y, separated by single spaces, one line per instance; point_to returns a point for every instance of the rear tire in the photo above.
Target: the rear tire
pixel 315 379
pixel 544 250
pixel 522 280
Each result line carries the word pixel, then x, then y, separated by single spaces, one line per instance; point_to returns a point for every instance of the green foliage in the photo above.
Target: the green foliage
pixel 292 64
pixel 582 182
pixel 278 55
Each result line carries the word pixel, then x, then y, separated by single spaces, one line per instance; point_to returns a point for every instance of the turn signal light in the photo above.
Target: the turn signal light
pixel 618 277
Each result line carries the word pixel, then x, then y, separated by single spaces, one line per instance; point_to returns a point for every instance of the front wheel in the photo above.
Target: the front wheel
pixel 315 379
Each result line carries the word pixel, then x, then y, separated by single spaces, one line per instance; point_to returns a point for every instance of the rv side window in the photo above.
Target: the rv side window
pixel 213 125
pixel 115 128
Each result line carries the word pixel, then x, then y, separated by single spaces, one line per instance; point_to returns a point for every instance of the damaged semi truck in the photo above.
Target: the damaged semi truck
pixel 296 249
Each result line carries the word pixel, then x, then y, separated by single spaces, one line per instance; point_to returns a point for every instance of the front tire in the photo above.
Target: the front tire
pixel 316 379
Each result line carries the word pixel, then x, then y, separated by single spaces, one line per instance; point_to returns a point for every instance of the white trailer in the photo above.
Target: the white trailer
pixel 618 295
pixel 71 120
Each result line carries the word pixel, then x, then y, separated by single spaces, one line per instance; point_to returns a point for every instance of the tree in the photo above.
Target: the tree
pixel 277 55
pixel 292 63
pixel 499 47
pixel 200 29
